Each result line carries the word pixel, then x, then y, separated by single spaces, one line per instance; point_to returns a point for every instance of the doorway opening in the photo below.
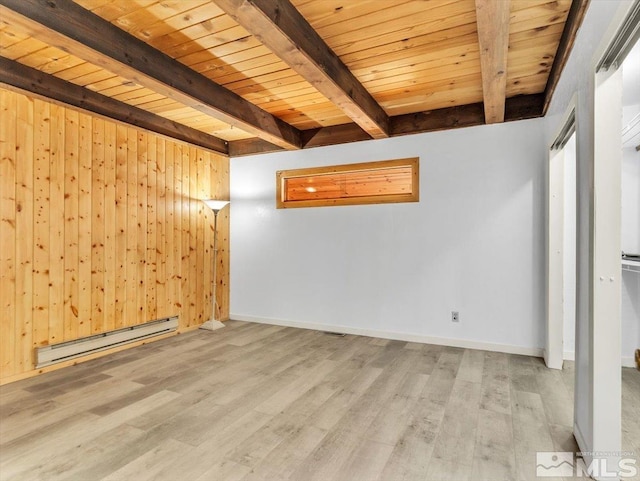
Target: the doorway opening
pixel 630 203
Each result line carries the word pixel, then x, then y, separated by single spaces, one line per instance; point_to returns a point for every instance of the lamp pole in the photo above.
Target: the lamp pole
pixel 216 206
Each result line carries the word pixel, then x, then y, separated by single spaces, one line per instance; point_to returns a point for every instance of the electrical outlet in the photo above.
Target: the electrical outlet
pixel 455 316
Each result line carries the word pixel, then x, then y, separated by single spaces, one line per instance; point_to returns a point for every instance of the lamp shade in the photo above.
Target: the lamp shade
pixel 215 205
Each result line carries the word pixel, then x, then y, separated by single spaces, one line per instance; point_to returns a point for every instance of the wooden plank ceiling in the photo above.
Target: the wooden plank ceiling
pixel 245 76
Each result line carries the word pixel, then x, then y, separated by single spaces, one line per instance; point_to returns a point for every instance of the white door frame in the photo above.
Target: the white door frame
pixel 605 284
pixel 598 349
pixel 554 348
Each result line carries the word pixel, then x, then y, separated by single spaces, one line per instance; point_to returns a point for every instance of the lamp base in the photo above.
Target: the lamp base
pixel 212 325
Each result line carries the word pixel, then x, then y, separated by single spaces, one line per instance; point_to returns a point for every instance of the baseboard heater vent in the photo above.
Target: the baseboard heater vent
pixel 64 351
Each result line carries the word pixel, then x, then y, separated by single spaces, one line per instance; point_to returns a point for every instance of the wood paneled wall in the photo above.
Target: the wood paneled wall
pixel 101 227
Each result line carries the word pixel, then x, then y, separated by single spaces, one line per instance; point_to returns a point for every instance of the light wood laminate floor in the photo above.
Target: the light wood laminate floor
pixel 255 402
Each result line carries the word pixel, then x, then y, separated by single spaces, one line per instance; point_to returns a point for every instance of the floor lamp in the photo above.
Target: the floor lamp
pixel 216 206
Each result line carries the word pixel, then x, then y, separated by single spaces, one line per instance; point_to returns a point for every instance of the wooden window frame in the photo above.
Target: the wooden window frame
pixel 413 196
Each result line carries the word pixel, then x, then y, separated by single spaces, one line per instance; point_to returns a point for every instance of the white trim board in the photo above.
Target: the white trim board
pixel 625 361
pixel 396 336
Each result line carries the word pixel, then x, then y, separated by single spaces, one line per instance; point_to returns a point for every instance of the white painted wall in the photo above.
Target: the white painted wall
pixel 474 242
pixel 631 200
pixel 601 21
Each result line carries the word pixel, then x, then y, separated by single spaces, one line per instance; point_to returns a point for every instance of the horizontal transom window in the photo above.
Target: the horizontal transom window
pixel 387 181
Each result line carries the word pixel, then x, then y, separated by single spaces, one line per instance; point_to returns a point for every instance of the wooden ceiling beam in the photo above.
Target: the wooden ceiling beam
pixel 493 35
pixel 524 107
pixel 571 26
pixel 521 107
pixel 27 79
pixel 71 28
pixel 253 146
pixel 335 134
pixel 439 119
pixel 280 27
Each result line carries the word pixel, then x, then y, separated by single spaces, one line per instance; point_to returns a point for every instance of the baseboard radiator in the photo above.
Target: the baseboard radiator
pixel 65 351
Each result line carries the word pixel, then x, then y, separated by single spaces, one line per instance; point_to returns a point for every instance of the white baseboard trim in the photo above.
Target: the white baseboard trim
pixel 396 336
pixel 625 361
pixel 552 363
